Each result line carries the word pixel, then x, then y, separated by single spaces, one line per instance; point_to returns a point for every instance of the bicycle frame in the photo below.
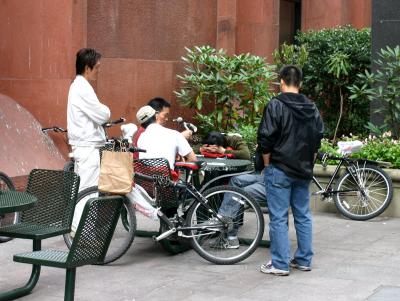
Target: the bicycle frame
pixel 350 167
pixel 187 187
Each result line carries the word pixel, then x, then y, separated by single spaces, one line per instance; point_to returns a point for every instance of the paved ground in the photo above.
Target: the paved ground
pixel 353 261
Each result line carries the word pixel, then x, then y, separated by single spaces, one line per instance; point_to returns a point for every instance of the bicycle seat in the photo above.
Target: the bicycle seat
pixel 196 165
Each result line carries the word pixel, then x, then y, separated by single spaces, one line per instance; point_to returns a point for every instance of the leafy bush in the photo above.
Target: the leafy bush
pixel 237 87
pixel 290 55
pixel 382 148
pixel 383 85
pixel 334 56
pixel 249 134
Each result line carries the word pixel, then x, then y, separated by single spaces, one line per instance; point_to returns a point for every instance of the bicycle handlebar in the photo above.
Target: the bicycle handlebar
pixel 54 128
pixel 187 125
pixel 136 150
pixel 114 122
pixel 58 129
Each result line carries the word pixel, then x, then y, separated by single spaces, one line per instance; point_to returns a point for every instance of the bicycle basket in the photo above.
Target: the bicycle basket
pixel 165 196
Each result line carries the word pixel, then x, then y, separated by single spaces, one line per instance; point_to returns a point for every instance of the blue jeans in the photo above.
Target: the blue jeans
pixel 252 184
pixel 283 192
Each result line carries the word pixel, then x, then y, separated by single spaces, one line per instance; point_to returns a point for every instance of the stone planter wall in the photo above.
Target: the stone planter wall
pixel 323 176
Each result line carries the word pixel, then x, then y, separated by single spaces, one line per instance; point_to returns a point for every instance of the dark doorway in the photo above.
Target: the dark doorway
pixel 289 20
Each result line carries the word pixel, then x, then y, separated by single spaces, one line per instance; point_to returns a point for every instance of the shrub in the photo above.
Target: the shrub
pixel 382 148
pixel 383 85
pixel 237 87
pixel 249 134
pixel 333 57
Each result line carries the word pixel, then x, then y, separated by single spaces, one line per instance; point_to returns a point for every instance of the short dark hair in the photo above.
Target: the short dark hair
pixel 215 138
pixel 86 57
pixel 151 120
pixel 158 103
pixel 291 75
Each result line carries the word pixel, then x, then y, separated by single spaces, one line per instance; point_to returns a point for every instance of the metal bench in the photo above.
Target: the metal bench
pixel 90 244
pixel 56 191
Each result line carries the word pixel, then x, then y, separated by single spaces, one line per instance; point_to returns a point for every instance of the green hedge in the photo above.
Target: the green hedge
pixel 331 59
pixel 383 148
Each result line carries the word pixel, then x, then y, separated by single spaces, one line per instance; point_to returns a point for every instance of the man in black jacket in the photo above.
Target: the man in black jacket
pixel 289 137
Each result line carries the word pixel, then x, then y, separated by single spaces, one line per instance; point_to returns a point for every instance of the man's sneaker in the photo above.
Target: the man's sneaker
pixel 225 243
pixel 211 222
pixel 233 243
pixel 218 223
pixel 297 266
pixel 268 268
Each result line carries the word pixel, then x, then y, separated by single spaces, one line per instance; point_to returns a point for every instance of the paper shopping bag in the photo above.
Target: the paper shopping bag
pixel 116 172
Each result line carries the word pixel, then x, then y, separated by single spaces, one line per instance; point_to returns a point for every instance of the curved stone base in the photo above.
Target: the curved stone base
pixel 23 146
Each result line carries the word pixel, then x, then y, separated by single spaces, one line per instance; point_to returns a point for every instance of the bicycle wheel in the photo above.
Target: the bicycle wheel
pixel 211 242
pixel 122 238
pixel 378 192
pixel 8 218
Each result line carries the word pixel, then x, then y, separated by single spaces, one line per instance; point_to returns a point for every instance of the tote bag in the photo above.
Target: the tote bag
pixel 116 172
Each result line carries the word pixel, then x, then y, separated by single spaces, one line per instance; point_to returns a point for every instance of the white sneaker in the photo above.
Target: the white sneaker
pixel 268 268
pixel 293 263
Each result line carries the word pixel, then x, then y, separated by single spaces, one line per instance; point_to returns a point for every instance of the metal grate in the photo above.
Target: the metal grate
pixel 56 191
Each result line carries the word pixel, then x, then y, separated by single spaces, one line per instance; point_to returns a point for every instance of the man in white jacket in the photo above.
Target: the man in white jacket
pixel 85 117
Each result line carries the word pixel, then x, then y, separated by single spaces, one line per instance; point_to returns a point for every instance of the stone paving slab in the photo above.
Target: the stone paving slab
pixel 353 261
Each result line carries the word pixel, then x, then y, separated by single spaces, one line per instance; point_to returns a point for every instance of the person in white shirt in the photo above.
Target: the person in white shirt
pixel 161 142
pixel 163 108
pixel 85 117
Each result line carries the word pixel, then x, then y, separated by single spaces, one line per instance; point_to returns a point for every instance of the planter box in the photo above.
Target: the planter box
pixel 323 175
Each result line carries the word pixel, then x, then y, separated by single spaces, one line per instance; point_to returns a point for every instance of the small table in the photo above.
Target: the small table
pixel 225 165
pixel 15 201
pixel 218 168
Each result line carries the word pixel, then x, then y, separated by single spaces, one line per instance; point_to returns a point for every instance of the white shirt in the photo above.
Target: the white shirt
pixel 160 142
pixel 85 115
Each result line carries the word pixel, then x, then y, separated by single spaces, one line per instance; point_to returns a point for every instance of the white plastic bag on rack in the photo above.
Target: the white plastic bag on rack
pixel 128 130
pixel 349 147
pixel 142 202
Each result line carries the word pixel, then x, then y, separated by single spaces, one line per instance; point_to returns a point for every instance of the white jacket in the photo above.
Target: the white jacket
pixel 85 115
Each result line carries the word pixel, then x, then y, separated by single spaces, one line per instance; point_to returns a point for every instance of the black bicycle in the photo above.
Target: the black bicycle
pixel 9 218
pixel 187 215
pixel 362 192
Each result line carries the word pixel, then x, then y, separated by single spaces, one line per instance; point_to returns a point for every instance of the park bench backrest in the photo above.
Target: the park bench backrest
pixel 56 191
pixel 96 228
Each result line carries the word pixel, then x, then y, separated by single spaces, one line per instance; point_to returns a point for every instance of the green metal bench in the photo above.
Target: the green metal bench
pixel 90 244
pixel 56 191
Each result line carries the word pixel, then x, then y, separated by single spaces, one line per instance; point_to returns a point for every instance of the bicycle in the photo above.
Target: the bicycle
pixel 184 213
pixel 363 192
pixel 9 218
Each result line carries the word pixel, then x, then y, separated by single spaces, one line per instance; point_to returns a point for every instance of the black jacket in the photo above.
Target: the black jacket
pixel 291 130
